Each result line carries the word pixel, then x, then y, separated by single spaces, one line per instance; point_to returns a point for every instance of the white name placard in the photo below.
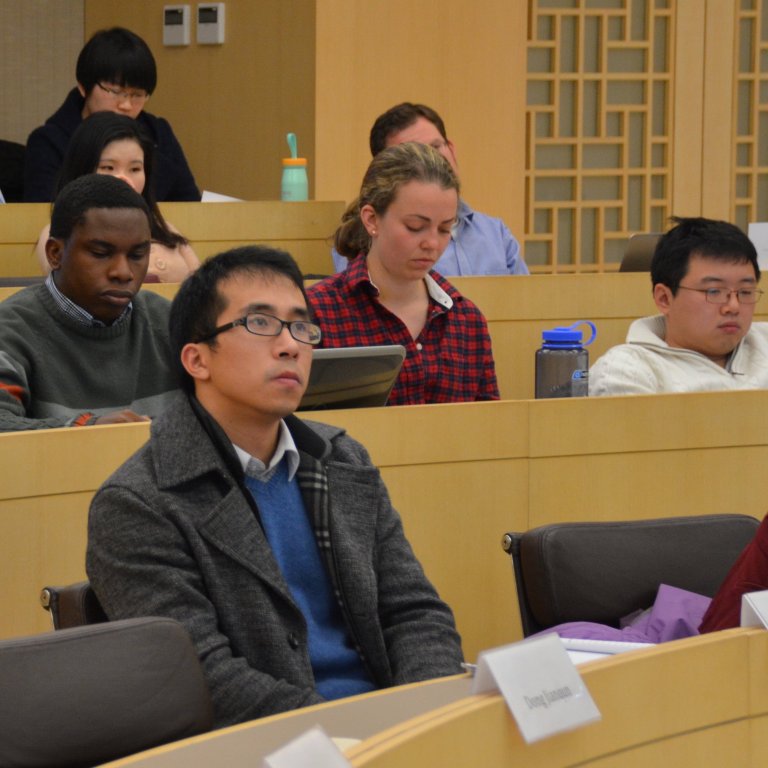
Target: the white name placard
pixel 313 748
pixel 540 684
pixel 754 609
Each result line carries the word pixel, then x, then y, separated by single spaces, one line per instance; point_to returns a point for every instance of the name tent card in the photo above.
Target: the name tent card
pixel 540 684
pixel 754 609
pixel 313 748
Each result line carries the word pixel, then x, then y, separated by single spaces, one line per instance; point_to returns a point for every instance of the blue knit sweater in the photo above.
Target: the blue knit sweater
pixel 336 665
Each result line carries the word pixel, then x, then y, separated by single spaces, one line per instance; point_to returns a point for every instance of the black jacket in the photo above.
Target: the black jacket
pixel 47 144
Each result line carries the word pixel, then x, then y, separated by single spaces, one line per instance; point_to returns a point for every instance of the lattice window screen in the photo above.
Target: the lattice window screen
pixel 598 134
pixel 750 148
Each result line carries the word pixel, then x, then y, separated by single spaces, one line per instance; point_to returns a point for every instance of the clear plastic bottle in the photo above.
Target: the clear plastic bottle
pixel 562 363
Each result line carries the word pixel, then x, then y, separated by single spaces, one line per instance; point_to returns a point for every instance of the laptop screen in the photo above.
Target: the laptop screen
pixel 352 377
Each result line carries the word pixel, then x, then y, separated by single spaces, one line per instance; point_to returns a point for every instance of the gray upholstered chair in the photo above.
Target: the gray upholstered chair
pixel 72 606
pixel 84 696
pixel 639 253
pixel 604 571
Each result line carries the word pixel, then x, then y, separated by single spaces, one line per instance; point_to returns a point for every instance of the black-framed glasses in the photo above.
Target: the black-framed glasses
pixel 262 324
pixel 723 295
pixel 135 97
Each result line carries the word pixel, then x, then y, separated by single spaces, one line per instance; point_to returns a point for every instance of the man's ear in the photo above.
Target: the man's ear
pixel 54 251
pixel 194 358
pixel 81 89
pixel 452 148
pixel 663 296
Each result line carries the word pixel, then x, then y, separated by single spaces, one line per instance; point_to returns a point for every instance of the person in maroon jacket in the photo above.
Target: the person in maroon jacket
pixel 748 574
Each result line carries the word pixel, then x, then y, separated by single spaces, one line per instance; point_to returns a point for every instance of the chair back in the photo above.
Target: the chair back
pixel 84 696
pixel 639 253
pixel 603 571
pixel 12 170
pixel 72 606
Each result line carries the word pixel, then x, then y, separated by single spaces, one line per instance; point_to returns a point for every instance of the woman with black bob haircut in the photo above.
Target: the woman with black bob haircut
pixel 115 72
pixel 115 145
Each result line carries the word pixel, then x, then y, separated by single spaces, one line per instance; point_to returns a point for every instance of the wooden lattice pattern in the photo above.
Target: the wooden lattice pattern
pixel 598 133
pixel 750 145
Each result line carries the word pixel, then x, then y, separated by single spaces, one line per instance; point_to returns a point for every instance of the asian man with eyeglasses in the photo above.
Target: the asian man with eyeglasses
pixel 271 538
pixel 115 72
pixel 705 284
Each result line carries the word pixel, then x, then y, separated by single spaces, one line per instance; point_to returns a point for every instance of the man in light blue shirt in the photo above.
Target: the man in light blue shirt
pixel 480 244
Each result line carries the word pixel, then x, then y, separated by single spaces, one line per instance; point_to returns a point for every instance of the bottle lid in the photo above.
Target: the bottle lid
pixel 294 161
pixel 569 334
pixel 562 335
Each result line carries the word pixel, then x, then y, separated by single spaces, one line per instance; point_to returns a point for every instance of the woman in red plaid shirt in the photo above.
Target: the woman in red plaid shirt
pixel 392 235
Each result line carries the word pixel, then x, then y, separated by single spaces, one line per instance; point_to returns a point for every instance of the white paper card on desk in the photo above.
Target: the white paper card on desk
pixel 758 234
pixel 754 609
pixel 313 748
pixel 217 197
pixel 540 684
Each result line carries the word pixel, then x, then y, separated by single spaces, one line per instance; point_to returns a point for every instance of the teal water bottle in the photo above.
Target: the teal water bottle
pixel 295 184
pixel 562 363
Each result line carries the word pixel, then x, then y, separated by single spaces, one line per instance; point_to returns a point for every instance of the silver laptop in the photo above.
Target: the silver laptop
pixel 352 377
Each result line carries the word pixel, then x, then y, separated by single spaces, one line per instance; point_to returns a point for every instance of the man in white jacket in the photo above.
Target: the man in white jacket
pixel 705 278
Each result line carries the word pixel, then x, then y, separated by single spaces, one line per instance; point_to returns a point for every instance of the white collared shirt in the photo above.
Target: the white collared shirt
pixel 76 312
pixel 256 468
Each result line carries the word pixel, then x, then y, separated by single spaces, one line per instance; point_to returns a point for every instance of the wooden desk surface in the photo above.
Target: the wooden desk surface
pixel 303 229
pixel 358 717
pixel 695 703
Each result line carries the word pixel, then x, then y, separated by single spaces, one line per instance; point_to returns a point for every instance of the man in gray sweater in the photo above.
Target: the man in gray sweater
pixel 86 347
pixel 272 539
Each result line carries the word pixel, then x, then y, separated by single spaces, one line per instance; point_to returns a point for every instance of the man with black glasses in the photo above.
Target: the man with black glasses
pixel 272 539
pixel 115 72
pixel 705 278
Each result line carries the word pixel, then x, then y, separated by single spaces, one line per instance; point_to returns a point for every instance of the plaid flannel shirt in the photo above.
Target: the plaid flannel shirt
pixel 450 361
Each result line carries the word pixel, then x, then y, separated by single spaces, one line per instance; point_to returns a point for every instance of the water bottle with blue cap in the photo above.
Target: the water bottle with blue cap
pixel 562 363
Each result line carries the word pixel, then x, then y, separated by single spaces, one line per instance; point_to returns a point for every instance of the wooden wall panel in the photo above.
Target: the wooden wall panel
pixel 467 61
pixel 232 104
pixel 39 43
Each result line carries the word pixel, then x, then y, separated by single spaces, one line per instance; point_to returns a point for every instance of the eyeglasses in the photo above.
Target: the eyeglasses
pixel 723 295
pixel 135 97
pixel 261 324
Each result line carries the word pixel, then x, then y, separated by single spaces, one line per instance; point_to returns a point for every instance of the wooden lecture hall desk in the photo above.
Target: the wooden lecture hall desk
pixel 303 229
pixel 357 717
pixel 518 309
pixel 695 703
pixel 461 475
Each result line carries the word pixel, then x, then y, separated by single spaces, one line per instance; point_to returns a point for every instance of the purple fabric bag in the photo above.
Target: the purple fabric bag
pixel 675 613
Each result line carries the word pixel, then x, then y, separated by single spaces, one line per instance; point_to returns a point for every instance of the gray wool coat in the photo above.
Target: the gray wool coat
pixel 172 533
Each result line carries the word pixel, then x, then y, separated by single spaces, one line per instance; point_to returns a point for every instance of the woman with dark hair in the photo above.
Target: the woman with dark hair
pixel 116 145
pixel 115 72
